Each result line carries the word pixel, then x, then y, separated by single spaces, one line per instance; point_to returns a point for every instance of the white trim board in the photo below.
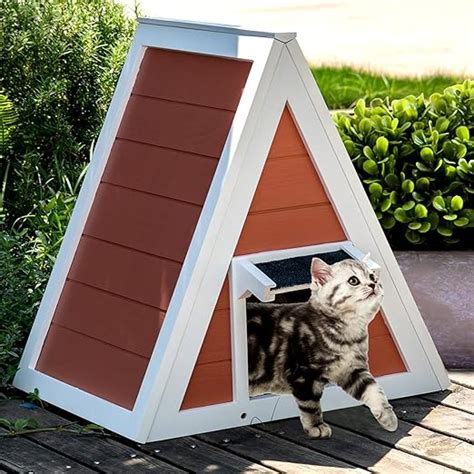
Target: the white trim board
pixel 279 76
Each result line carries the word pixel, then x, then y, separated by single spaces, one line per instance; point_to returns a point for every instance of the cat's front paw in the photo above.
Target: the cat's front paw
pixel 387 418
pixel 323 430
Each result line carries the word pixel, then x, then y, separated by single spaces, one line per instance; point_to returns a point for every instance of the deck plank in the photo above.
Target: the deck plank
pixel 456 396
pixel 356 449
pixel 436 417
pixel 198 456
pixel 274 452
pixel 410 438
pixel 21 455
pixel 462 377
pixel 106 454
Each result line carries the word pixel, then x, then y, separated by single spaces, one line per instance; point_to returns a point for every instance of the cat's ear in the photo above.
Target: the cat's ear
pixel 321 272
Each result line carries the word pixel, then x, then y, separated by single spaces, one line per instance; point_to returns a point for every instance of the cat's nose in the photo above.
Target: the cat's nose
pixel 372 285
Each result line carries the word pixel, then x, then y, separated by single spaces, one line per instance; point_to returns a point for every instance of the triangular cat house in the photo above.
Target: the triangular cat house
pixel 217 154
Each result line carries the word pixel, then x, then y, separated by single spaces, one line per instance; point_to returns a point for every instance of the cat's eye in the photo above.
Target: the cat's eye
pixel 354 281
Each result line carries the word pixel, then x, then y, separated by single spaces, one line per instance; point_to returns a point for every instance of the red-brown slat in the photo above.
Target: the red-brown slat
pixel 165 168
pixel 153 224
pixel 126 324
pixel 289 228
pixel 217 344
pixel 377 327
pixel 288 182
pixel 93 366
pixel 184 127
pixel 384 357
pixel 287 140
pixel 210 384
pixel 140 277
pixel 193 78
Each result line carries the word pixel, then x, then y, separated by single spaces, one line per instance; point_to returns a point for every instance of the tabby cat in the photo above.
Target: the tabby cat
pixel 299 348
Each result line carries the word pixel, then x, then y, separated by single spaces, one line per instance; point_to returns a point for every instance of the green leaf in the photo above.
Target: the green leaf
pixel 359 109
pixel 461 222
pixel 425 227
pixel 365 126
pixel 421 211
pixel 427 154
pixel 457 203
pixel 408 206
pixel 461 151
pixel 350 147
pixel 408 186
pixel 413 237
pixel 423 184
pixel 414 225
pixel 418 197
pixel 392 180
pixel 370 167
pixel 381 146
pixel 401 215
pixel 394 197
pixel 450 217
pixel 438 203
pixel 444 231
pixel 368 153
pixel 388 222
pixel 386 204
pixel 376 189
pixel 442 124
pixel 422 167
pixel 462 133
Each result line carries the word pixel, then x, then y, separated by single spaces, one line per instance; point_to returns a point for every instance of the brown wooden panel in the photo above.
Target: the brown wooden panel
pixel 160 171
pixel 378 327
pixel 126 324
pixel 140 277
pixel 289 228
pixel 210 384
pixel 224 296
pixel 184 127
pixel 194 78
pixel 217 344
pixel 287 182
pixel 384 358
pixel 287 139
pixel 141 221
pixel 94 366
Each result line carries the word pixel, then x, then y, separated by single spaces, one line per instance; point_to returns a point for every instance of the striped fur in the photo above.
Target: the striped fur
pixel 299 348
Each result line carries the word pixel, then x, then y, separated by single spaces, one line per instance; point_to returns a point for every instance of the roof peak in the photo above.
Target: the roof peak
pixel 284 37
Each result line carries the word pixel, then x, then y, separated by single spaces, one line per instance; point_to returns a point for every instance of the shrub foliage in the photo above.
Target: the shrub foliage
pixel 59 63
pixel 415 158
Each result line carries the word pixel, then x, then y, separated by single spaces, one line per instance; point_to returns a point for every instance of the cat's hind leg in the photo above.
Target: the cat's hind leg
pixel 361 385
pixel 307 393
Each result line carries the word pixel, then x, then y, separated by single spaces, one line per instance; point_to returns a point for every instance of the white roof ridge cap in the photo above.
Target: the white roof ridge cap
pixel 282 36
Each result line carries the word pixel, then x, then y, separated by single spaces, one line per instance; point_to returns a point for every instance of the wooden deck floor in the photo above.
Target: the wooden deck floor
pixel 436 434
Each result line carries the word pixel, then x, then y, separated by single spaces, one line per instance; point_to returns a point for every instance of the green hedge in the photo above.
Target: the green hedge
pixel 59 64
pixel 415 158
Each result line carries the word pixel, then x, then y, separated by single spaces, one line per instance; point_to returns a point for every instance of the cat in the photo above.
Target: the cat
pixel 298 348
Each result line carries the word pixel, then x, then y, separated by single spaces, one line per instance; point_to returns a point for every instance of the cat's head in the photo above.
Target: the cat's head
pixel 348 286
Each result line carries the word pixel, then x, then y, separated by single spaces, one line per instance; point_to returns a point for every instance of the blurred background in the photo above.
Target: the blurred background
pixel 401 37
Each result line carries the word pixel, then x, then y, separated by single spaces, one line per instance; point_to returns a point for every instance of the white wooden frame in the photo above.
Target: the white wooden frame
pixel 279 75
pixel 248 279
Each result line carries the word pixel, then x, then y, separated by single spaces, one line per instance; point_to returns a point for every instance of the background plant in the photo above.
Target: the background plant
pixel 59 63
pixel 416 160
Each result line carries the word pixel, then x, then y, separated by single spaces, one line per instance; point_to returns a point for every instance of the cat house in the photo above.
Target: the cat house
pixel 217 176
